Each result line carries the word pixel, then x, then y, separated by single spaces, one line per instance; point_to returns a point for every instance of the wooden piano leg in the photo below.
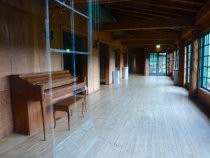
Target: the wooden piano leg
pixel 43 120
pixel 83 104
pixel 54 118
pixel 68 114
pixel 85 98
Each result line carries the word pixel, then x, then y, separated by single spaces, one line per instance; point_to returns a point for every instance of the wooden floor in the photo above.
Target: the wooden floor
pixel 144 117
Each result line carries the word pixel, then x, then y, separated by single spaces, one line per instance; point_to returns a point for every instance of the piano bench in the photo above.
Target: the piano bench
pixel 66 106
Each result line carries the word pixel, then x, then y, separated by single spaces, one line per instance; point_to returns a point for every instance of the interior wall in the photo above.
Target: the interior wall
pixel 22 45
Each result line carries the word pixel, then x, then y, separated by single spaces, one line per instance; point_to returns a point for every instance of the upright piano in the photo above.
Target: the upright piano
pixel 33 94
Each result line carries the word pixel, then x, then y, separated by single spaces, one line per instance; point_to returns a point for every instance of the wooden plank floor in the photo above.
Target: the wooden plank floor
pixel 144 117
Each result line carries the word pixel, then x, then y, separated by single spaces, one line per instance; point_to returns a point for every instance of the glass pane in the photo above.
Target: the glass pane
pixel 208 72
pixel 208 60
pixel 205 60
pixel 208 84
pixel 204 83
pixel 206 50
pixel 188 63
pixel 189 48
pixel 206 40
pixel 188 75
pixel 205 72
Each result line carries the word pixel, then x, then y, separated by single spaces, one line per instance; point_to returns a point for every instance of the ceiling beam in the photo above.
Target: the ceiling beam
pixel 148 36
pixel 151 47
pixel 166 12
pixel 123 10
pixel 148 43
pixel 127 15
pixel 205 10
pixel 99 1
pixel 166 4
pixel 198 3
pixel 147 24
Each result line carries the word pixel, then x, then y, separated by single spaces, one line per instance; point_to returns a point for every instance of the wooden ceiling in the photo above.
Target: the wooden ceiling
pixel 145 23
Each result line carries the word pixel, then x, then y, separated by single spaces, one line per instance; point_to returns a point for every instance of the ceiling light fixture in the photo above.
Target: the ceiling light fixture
pixel 157 45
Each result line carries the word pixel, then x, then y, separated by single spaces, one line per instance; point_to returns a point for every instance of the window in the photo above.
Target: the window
pixel 153 63
pixel 189 52
pixel 62 19
pixel 157 63
pixel 177 60
pixel 205 61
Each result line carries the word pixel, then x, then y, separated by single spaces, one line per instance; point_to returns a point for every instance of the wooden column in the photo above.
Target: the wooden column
pixel 181 64
pixel 193 87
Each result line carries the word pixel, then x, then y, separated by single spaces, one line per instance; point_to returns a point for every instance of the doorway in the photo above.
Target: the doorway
pixel 117 58
pixel 157 64
pixel 104 63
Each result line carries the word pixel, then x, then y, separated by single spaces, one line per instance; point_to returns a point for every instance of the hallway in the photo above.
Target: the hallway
pixel 144 117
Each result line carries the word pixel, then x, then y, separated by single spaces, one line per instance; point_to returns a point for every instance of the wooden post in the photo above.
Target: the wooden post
pixel 193 87
pixel 181 64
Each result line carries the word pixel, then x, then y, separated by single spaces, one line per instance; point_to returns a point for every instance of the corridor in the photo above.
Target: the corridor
pixel 144 117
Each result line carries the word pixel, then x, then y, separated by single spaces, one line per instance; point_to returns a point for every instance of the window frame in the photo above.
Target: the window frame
pixel 203 65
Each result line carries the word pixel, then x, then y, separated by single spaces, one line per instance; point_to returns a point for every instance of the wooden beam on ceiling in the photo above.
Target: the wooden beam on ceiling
pixel 166 4
pixel 147 36
pixel 147 24
pixel 190 2
pixel 150 42
pixel 166 12
pixel 205 10
pixel 124 15
pixel 124 10
pixel 99 1
pixel 151 48
pixel 148 49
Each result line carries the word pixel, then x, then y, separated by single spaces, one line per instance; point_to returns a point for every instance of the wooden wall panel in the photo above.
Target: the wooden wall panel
pixel 204 96
pixel 30 6
pixel 112 65
pixel 22 45
pixel 21 42
pixel 93 71
pixel 5 66
pixel 6 126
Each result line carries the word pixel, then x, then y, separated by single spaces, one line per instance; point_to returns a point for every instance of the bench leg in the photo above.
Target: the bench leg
pixel 54 118
pixel 83 109
pixel 85 100
pixel 68 114
pixel 85 106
